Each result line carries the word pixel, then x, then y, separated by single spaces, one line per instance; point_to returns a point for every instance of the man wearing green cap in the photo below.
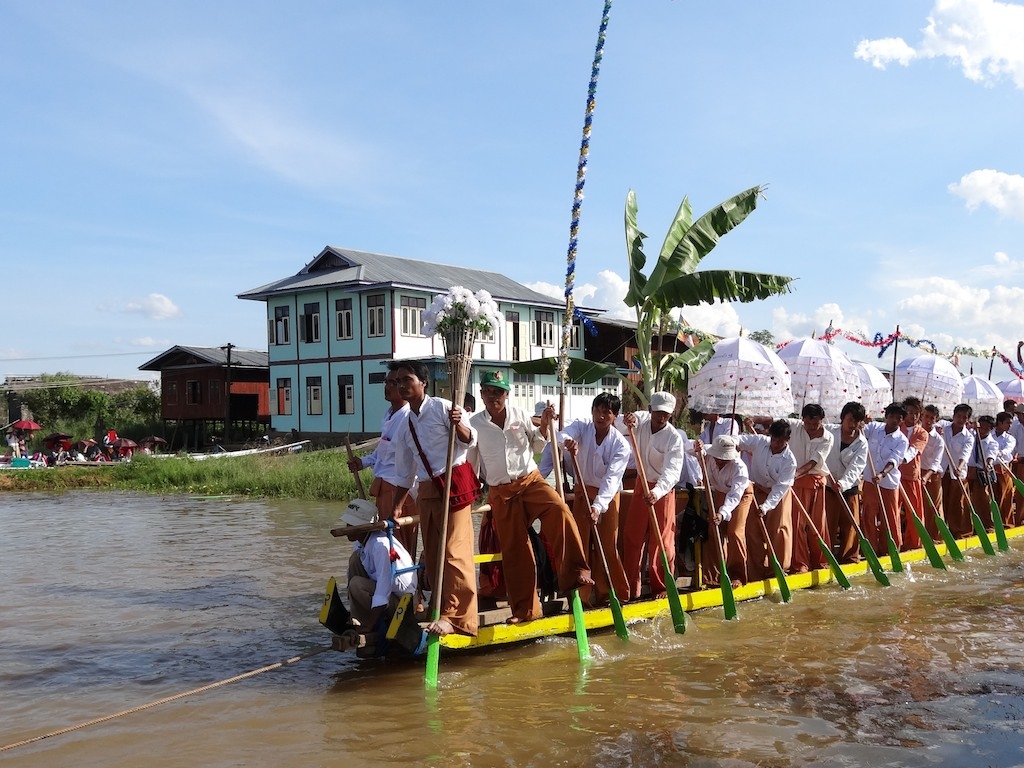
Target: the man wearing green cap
pixel 507 438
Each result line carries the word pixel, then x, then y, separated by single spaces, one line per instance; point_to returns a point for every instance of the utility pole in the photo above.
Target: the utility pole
pixel 227 393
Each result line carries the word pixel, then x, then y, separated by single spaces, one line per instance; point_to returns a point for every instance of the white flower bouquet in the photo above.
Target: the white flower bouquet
pixel 460 308
pixel 458 316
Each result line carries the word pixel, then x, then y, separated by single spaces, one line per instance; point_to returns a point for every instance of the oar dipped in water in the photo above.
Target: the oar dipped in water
pixel 617 618
pixel 894 552
pixel 826 550
pixel 433 640
pixel 940 525
pixel 780 575
pixel 728 598
pixel 865 546
pixel 922 532
pixel 979 527
pixel 674 604
pixel 579 623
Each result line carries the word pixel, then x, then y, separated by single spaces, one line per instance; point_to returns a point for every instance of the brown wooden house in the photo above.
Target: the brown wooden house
pixel 212 394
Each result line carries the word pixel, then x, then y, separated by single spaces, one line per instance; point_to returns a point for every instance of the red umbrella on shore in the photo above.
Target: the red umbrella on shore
pixel 124 442
pixel 152 440
pixel 25 424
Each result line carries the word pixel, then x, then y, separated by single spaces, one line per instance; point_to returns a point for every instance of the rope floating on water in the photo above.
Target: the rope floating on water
pixel 577 202
pixel 166 700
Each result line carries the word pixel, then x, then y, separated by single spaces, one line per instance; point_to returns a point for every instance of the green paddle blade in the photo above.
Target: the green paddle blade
pixel 949 539
pixel 617 618
pixel 433 657
pixel 674 604
pixel 926 542
pixel 582 643
pixel 872 558
pixel 833 564
pixel 997 524
pixel 894 555
pixel 979 528
pixel 728 599
pixel 1017 483
pixel 780 576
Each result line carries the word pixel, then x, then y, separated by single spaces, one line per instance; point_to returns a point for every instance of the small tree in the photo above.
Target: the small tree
pixel 764 337
pixel 675 280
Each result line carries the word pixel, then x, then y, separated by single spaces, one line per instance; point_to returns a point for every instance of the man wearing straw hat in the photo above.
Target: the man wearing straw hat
pixel 660 448
pixel 506 441
pixel 733 497
pixel 421 445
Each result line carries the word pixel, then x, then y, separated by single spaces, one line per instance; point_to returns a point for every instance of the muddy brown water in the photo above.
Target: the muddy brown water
pixel 110 601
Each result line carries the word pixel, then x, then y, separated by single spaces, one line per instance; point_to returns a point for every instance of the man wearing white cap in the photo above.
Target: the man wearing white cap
pixel 733 497
pixel 660 448
pixel 380 571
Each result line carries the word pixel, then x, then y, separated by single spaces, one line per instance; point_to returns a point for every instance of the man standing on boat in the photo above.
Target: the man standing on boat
pixel 602 453
pixel 846 461
pixel 1007 444
pixel 959 443
pixel 421 444
pixel 385 472
pixel 931 470
pixel 507 438
pixel 772 469
pixel 980 466
pixel 660 448
pixel 1017 430
pixel 887 447
pixel 910 470
pixel 733 497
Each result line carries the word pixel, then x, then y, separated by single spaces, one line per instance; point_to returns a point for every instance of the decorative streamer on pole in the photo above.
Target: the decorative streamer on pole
pixel 577 204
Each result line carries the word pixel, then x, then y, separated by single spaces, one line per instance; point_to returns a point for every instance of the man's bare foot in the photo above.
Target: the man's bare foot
pixel 515 620
pixel 441 627
pixel 661 596
pixel 736 583
pixel 583 579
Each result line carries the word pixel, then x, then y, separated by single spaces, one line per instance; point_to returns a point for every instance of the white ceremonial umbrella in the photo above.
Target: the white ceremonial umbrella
pixel 821 374
pixel 933 379
pixel 875 392
pixel 983 396
pixel 745 373
pixel 1012 390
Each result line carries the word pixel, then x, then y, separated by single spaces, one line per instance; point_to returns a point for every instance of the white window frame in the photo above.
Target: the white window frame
pixel 412 308
pixel 314 396
pixel 375 325
pixel 343 318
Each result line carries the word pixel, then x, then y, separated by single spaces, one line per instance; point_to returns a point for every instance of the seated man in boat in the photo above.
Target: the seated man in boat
pixel 380 572
pixel 506 441
pixel 732 495
pixel 602 454
pixel 660 449
pixel 421 453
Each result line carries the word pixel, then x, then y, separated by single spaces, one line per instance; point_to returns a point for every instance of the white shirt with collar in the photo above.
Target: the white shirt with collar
pixel 931 456
pixel 375 556
pixel 960 445
pixel 731 479
pixel 885 448
pixel 602 465
pixel 775 471
pixel 504 454
pixel 1007 444
pixel 1017 430
pixel 382 460
pixel 661 452
pixel 846 465
pixel 806 448
pixel 431 425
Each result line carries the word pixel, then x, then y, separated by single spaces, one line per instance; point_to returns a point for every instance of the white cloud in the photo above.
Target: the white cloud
pixel 981 36
pixel 880 53
pixel 1002 191
pixel 149 341
pixel 794 325
pixel 156 306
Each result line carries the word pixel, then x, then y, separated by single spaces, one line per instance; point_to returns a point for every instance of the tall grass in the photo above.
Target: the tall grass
pixel 314 475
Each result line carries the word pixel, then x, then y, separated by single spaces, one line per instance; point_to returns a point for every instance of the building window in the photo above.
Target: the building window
pixel 343 318
pixel 375 315
pixel 193 393
pixel 543 329
pixel 376 378
pixel 281 333
pixel 216 387
pixel 172 393
pixel 284 397
pixel 346 393
pixel 574 337
pixel 314 396
pixel 309 323
pixel 412 315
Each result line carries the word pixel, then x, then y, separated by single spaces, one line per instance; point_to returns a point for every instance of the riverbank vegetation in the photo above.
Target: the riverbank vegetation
pixel 312 475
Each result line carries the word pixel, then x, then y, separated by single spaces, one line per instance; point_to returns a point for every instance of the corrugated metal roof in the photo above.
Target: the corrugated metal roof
pixel 183 355
pixel 360 270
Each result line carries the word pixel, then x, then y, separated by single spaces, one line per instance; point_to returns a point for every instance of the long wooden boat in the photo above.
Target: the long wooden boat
pixel 492 634
pixel 289 448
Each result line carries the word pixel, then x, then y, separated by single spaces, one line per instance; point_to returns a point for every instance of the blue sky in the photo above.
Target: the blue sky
pixel 159 159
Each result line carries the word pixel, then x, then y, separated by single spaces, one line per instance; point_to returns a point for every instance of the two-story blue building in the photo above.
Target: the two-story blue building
pixel 333 326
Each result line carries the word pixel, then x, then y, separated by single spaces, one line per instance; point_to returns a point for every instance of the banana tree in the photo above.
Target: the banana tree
pixel 675 280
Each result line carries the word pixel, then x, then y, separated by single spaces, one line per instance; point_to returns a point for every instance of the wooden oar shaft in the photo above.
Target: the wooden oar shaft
pixel 556 459
pixel 642 477
pixel 881 500
pixel 380 525
pixel 359 477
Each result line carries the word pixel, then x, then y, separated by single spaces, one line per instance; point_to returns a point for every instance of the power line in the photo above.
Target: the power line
pixel 73 357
